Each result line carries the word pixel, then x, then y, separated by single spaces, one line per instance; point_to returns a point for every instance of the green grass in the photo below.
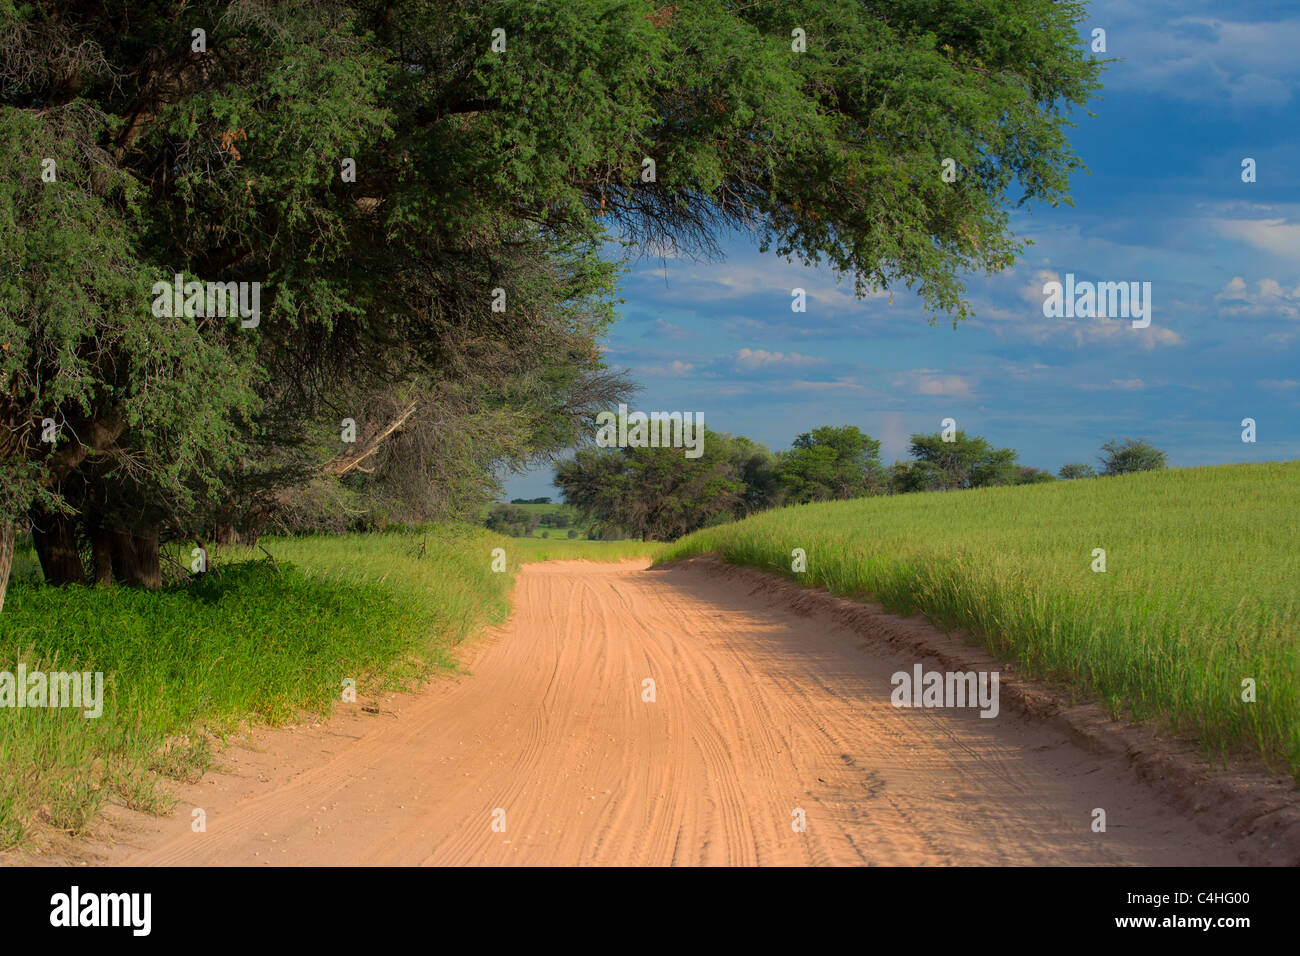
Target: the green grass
pixel 1201 588
pixel 248 644
pixel 577 522
pixel 570 549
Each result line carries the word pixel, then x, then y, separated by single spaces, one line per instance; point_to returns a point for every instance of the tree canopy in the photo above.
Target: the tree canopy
pixel 423 192
pixel 831 463
pixel 1132 454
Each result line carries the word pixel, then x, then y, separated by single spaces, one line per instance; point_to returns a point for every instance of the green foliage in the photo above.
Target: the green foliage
pixel 1130 455
pixel 1076 469
pixel 964 462
pixel 510 520
pixel 834 153
pixel 477 170
pixel 831 463
pixel 658 493
pixel 1199 590
pixel 1025 475
pixel 155 398
pixel 249 642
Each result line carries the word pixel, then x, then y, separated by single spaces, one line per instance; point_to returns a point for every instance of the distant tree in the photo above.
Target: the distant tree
pixel 659 493
pixel 1025 475
pixel 963 463
pixel 758 472
pixel 1122 457
pixel 831 463
pixel 1076 469
pixel 510 520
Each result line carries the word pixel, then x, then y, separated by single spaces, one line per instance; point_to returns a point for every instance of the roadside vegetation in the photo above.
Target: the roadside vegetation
pixel 1200 593
pixel 257 640
pixel 543 519
pixel 659 494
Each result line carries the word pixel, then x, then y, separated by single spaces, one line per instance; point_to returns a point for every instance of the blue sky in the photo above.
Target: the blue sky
pixel 1201 87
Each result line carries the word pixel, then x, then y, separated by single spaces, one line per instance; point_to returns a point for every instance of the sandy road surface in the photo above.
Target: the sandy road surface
pixel 758 711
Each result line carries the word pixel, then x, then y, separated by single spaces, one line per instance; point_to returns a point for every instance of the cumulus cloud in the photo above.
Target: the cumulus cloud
pixel 1028 324
pixel 750 359
pixel 1201 57
pixel 924 381
pixel 1269 297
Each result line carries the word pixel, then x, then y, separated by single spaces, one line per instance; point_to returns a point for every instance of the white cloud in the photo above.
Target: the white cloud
pixel 1276 236
pixel 924 381
pixel 1269 297
pixel 1201 57
pixel 749 359
pixel 675 369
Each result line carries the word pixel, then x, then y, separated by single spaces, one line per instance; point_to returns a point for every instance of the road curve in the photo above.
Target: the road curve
pixel 760 715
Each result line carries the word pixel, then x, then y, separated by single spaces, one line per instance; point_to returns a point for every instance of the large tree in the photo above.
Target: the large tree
pixel 958 461
pixel 486 164
pixel 831 463
pixel 661 494
pixel 1130 455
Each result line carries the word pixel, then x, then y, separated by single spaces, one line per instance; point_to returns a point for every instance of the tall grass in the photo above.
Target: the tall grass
pixel 1201 589
pixel 258 640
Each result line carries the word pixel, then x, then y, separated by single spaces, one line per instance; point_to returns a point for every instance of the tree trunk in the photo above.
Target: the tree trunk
pixel 55 537
pixel 135 556
pixel 6 557
pixel 226 535
pixel 101 544
pixel 256 525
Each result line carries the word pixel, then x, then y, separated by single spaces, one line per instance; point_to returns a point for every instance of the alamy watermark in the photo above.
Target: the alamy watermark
pixel 208 299
pixel 82 690
pixel 946 689
pixel 655 430
pixel 1089 300
pixel 130 910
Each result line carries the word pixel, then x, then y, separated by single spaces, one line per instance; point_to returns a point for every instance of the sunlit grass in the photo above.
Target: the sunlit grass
pixel 255 640
pixel 567 549
pixel 1201 590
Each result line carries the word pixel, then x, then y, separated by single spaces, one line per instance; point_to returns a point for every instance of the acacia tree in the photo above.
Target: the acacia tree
pixel 82 364
pixel 658 493
pixel 1076 469
pixel 831 463
pixel 222 156
pixel 962 462
pixel 1130 455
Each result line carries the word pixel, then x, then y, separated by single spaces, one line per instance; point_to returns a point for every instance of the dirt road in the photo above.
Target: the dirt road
pixel 758 713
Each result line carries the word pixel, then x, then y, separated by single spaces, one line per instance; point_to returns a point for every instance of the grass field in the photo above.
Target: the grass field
pixel 1201 589
pixel 249 642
